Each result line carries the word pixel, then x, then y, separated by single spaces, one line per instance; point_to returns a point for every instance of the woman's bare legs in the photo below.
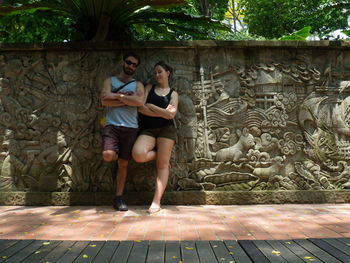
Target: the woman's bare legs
pixel 143 149
pixel 164 147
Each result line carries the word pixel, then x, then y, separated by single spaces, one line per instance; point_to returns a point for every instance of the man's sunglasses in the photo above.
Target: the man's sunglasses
pixel 131 63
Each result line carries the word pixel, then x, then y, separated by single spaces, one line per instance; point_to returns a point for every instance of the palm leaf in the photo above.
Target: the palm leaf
pixel 98 19
pixel 190 20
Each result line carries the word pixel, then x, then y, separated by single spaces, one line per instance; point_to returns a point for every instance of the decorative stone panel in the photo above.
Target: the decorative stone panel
pixel 261 118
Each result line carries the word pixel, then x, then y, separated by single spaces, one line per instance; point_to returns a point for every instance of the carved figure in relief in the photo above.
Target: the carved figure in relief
pixel 14 169
pixel 187 119
pixel 264 173
pixel 121 95
pixel 45 167
pixel 238 150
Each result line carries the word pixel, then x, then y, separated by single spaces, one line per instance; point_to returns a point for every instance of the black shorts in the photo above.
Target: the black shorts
pixel 119 139
pixel 168 132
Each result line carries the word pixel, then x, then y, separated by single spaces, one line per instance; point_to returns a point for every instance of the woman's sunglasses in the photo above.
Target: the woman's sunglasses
pixel 131 63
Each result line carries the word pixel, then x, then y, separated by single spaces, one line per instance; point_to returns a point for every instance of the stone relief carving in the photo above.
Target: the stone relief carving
pixel 284 132
pixel 49 140
pixel 262 126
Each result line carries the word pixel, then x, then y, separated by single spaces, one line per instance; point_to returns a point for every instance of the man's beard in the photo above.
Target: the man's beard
pixel 128 71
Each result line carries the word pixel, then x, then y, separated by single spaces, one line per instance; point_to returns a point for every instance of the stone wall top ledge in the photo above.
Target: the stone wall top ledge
pixel 110 45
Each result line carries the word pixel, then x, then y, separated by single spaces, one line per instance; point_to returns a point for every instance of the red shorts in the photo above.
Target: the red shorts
pixel 119 139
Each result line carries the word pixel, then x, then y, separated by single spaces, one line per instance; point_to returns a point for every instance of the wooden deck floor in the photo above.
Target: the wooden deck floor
pixel 243 251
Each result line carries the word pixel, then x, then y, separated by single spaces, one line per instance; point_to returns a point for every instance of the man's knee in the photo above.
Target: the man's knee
pixel 109 156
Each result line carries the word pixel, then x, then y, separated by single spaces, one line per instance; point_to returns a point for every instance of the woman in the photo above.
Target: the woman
pixel 157 129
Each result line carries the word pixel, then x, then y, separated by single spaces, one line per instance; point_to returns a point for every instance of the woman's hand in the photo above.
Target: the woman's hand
pixel 171 108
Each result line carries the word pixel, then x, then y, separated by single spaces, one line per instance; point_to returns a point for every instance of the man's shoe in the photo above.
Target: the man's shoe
pixel 119 204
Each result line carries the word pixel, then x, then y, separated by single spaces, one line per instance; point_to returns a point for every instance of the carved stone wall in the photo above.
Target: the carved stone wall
pixel 253 116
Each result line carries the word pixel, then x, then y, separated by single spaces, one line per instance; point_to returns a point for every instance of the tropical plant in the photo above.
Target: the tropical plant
pixel 276 18
pixel 99 20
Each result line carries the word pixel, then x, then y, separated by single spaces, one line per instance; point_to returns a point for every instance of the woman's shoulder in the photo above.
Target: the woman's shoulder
pixel 173 92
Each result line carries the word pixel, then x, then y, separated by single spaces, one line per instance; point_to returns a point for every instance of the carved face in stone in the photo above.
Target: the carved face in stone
pixel 61 140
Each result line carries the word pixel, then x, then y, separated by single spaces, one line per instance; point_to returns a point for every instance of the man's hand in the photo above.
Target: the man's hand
pixel 109 96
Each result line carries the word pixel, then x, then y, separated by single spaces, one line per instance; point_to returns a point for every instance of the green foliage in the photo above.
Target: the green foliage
pixel 276 18
pixel 100 20
pixel 34 28
pixel 346 32
pixel 302 34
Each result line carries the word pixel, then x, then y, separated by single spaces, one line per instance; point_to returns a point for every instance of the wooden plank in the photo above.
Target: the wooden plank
pixel 73 252
pixel 106 252
pixel 300 251
pixel 172 252
pixel 90 252
pixel 58 252
pixel 315 250
pixel 345 241
pixel 6 243
pixel 156 252
pixel 24 253
pixel 338 245
pixel 268 251
pixel 188 252
pixel 220 251
pixel 238 253
pixel 205 252
pixel 10 251
pixel 254 253
pixel 45 249
pixel 330 249
pixel 122 253
pixel 138 252
pixel 285 252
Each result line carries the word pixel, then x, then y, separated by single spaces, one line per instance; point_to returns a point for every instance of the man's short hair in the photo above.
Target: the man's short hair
pixel 132 54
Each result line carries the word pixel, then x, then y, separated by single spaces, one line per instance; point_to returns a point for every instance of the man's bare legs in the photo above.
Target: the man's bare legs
pixel 121 176
pixel 111 156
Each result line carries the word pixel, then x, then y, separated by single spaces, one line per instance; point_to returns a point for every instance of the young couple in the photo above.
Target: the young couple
pixel 124 98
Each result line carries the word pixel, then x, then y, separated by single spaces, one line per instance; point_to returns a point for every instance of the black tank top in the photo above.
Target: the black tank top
pixel 149 122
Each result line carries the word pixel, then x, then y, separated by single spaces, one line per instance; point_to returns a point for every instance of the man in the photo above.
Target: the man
pixel 121 95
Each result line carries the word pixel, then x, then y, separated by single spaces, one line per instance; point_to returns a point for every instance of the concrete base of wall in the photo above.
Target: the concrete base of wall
pixel 177 198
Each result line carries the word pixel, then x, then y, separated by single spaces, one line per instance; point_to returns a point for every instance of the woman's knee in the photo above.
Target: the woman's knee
pixel 139 155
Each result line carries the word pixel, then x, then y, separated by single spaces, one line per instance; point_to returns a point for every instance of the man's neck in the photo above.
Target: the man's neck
pixel 124 77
